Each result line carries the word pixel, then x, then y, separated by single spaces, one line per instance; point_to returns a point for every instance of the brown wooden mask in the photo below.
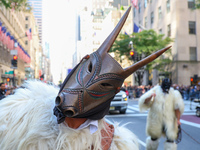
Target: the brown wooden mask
pixel 89 88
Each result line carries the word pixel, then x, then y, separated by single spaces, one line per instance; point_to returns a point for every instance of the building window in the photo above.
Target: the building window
pixel 26 17
pixel 168 6
pixel 145 3
pixel 160 31
pixel 134 12
pixel 193 53
pixel 159 13
pixel 26 42
pixel 139 22
pixel 145 22
pixel 192 27
pixel 26 26
pixel 139 9
pixel 169 30
pixel 151 1
pixel 191 4
pixel 152 17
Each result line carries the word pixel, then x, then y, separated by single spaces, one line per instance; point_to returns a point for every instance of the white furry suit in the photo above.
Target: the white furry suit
pixel 161 115
pixel 27 123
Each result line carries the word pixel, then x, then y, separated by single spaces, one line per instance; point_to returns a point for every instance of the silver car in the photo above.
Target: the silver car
pixel 119 102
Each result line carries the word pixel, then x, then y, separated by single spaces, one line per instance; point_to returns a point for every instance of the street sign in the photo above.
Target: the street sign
pixel 13 67
pixel 9 72
pixel 13 52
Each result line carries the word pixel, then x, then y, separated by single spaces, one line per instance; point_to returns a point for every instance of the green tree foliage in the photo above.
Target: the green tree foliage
pixel 18 5
pixel 144 44
pixel 197 4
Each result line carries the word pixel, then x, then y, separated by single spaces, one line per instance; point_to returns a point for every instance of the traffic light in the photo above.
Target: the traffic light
pixel 14 61
pixel 191 80
pixel 132 55
pixel 195 78
pixel 8 79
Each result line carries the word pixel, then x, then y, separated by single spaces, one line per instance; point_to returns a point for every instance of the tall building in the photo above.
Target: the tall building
pixel 177 20
pixel 37 12
pixel 97 19
pixel 15 25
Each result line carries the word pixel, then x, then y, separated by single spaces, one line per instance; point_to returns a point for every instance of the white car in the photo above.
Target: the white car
pixel 119 102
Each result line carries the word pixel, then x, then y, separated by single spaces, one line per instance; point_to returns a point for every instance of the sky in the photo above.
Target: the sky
pixel 58 31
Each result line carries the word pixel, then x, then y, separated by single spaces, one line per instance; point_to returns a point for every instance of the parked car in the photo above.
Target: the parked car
pixel 120 102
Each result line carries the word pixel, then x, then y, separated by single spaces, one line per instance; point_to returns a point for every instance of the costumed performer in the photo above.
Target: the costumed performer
pixel 165 108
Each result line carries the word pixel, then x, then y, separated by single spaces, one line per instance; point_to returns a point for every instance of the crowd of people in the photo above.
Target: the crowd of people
pixel 187 92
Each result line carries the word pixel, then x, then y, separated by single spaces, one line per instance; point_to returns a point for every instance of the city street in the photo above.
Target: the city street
pixel 137 124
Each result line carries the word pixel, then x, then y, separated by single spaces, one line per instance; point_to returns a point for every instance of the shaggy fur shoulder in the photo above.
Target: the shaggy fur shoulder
pixel 27 123
pixel 124 139
pixel 142 106
pixel 179 103
pixel 26 118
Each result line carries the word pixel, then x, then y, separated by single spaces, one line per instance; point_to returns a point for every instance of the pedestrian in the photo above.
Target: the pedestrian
pixel 192 93
pixel 27 118
pixel 3 91
pixel 165 106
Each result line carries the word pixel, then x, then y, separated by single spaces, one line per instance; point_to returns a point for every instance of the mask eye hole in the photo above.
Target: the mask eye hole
pixel 106 86
pixel 90 67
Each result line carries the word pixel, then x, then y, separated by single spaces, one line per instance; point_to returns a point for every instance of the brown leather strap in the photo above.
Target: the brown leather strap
pixel 107 136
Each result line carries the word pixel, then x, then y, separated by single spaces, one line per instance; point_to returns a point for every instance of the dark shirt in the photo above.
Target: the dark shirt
pixel 2 94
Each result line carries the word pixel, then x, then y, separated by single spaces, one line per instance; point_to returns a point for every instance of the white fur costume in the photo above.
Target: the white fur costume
pixel 27 123
pixel 161 114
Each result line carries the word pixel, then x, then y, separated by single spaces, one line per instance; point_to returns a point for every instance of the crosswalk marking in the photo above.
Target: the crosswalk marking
pixel 190 123
pixel 133 108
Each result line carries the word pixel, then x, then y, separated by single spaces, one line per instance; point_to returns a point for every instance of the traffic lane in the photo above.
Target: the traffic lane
pixel 190 138
pixel 135 124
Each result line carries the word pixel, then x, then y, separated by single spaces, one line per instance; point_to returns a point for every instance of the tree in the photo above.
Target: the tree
pixel 197 4
pixel 144 44
pixel 18 5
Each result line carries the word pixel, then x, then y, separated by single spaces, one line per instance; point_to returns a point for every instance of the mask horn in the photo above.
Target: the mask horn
pixel 106 45
pixel 128 71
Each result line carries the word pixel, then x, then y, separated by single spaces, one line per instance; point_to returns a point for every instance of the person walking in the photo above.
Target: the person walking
pixel 165 108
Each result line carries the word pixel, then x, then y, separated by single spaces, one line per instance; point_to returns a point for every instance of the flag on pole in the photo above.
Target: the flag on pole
pixel 135 3
pixel 29 34
pixel 136 29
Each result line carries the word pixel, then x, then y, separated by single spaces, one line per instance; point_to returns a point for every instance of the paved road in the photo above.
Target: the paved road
pixel 137 124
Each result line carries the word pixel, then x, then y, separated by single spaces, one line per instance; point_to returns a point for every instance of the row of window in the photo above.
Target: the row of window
pixel 13 19
pixel 159 9
pixel 191 30
pixel 191 5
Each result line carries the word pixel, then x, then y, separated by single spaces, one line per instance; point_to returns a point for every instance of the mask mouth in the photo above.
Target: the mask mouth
pixel 69 111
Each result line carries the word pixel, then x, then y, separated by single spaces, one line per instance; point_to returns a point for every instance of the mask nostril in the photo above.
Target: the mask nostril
pixel 69 113
pixel 58 100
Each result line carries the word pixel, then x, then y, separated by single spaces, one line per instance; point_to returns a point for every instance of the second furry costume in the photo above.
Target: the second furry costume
pixel 161 118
